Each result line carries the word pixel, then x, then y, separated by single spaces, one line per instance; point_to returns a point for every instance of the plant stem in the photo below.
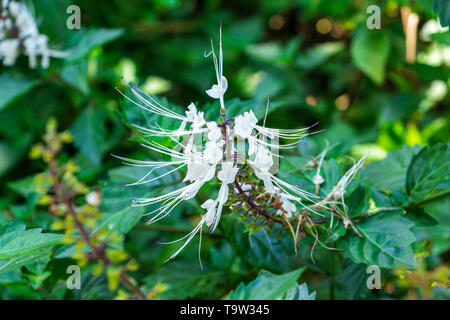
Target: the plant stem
pixel 97 251
pixel 255 206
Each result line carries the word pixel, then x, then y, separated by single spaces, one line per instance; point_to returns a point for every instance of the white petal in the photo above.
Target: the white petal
pixel 215 92
pixel 224 84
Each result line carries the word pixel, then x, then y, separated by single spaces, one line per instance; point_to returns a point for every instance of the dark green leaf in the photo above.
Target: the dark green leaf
pixel 185 279
pixel 89 133
pixel 443 8
pixel 317 55
pixel 370 50
pixel 15 241
pixel 390 173
pixel 427 170
pixel 386 241
pixel 267 286
pixel 88 40
pixel 13 85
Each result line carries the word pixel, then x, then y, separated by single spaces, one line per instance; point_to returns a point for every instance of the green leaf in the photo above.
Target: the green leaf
pixel 237 106
pixel 243 32
pixel 88 40
pixel 89 133
pixel 317 55
pixel 443 8
pixel 185 279
pixel 299 292
pixel 14 85
pixel 268 286
pixel 357 202
pixel 390 173
pixel 76 75
pixel 439 210
pixel 25 259
pixel 442 37
pixel 429 168
pixel 117 215
pixel 354 280
pixel 370 50
pixel 16 241
pixel 260 249
pixel 12 151
pixel 392 198
pixel 386 241
pixel 36 280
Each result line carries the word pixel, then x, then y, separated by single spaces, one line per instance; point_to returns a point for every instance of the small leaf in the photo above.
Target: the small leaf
pixel 299 292
pixel 12 86
pixel 267 286
pixel 15 241
pixel 22 260
pixel 370 50
pixel 357 202
pixel 443 8
pixel 390 173
pixel 439 210
pixel 317 55
pixel 427 170
pixel 354 280
pixel 185 279
pixel 76 76
pixel 88 40
pixel 89 133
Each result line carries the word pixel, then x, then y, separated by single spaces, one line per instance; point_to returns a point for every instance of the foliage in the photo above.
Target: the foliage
pixel 62 196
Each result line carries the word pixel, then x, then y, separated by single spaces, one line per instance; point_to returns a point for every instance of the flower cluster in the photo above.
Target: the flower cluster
pixel 217 156
pixel 19 33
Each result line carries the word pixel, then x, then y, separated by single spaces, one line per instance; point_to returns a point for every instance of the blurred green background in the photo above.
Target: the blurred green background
pixel 315 59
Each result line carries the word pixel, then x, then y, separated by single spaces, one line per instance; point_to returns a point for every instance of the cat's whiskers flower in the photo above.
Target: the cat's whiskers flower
pixel 207 158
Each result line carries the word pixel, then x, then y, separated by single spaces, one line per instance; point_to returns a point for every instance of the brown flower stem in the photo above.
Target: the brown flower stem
pixel 97 251
pixel 131 286
pixel 255 206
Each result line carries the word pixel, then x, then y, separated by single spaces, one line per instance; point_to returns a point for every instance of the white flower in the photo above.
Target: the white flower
pixel 203 160
pixel 210 205
pixel 226 176
pixel 339 189
pixel 197 169
pixel 318 179
pixel 261 165
pixel 243 127
pixel 218 90
pixel 37 46
pixel 8 51
pixel 244 124
pixel 214 132
pixel 194 116
pixel 213 152
pixel 93 198
pixel 17 19
pixel 228 173
pixel 287 205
